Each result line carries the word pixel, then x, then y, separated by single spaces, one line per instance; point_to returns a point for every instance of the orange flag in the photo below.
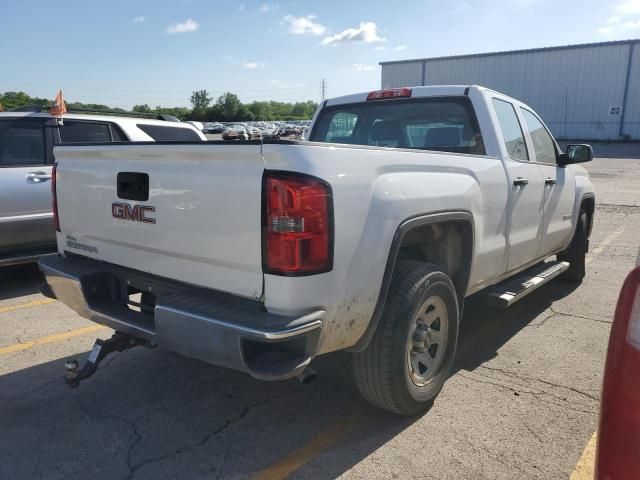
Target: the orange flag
pixel 58 108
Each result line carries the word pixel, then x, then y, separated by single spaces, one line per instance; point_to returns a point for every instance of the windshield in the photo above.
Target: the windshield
pixel 445 124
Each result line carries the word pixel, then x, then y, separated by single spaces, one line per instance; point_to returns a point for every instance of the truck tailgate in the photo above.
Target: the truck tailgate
pixel 201 223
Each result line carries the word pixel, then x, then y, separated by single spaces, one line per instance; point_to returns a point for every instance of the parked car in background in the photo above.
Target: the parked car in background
pixel 27 139
pixel 368 238
pixel 618 450
pixel 270 134
pixel 292 130
pixel 254 133
pixel 215 128
pixel 235 132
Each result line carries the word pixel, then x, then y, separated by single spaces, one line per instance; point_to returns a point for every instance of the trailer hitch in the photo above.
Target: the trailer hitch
pixel 119 342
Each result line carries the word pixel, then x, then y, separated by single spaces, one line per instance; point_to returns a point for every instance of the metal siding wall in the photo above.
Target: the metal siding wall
pixel 632 117
pixel 571 89
pixel 402 74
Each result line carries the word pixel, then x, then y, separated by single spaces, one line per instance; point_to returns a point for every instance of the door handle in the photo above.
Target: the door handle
pixel 549 181
pixel 520 182
pixel 38 177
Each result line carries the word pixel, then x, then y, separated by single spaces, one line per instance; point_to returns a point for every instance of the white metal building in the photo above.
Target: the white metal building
pixel 589 92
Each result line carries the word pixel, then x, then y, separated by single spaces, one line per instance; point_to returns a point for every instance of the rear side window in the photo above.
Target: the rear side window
pixel 511 130
pixel 444 123
pixel 543 144
pixel 169 134
pixel 73 131
pixel 341 127
pixel 22 142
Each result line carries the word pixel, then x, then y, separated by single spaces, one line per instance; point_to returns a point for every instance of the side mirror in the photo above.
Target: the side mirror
pixel 576 154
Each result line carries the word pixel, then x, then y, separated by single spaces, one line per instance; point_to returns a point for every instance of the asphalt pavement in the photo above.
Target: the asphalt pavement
pixel 522 401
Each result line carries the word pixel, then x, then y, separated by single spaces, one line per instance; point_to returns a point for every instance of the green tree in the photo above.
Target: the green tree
pixel 200 100
pixel 230 107
pixel 144 108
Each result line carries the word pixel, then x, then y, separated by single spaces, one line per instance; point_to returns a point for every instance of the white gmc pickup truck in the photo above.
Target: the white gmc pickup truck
pixel 367 237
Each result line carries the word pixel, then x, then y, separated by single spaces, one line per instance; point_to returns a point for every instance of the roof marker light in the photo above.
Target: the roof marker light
pixel 389 93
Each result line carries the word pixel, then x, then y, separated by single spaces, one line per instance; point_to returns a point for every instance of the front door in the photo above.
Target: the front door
pixel 526 190
pixel 559 188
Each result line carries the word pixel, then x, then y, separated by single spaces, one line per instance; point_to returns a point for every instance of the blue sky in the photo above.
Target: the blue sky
pixel 157 51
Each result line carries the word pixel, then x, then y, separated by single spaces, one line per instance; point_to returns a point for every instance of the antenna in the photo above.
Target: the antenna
pixel 323 89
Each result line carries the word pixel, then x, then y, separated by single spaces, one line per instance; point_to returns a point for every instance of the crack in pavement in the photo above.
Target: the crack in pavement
pixel 562 314
pixel 525 377
pixel 531 431
pixel 42 386
pixel 536 394
pixel 224 462
pixel 555 314
pixel 229 422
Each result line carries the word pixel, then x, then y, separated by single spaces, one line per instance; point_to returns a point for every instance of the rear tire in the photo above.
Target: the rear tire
pixel 577 252
pixel 409 358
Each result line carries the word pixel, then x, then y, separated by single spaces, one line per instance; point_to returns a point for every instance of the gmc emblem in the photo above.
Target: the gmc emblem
pixel 135 213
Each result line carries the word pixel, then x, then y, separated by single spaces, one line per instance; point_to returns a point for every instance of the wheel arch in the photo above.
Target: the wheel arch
pixel 447 221
pixel 588 204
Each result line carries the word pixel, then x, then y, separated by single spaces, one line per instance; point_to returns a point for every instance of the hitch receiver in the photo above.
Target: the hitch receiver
pixel 119 342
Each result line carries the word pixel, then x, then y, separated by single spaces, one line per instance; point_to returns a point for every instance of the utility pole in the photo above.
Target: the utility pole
pixel 323 89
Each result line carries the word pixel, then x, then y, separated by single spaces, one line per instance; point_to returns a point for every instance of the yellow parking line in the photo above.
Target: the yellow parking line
pixel 585 468
pixel 603 245
pixel 35 303
pixel 58 337
pixel 300 456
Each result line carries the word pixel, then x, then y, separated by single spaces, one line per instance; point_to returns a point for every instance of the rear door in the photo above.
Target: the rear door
pixel 559 186
pixel 26 220
pixel 527 189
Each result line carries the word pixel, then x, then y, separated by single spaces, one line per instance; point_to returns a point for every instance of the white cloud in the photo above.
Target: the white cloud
pixel 367 32
pixel 626 19
pixel 242 7
pixel 252 65
pixel 620 27
pixel 139 19
pixel 189 25
pixel 399 48
pixel 268 7
pixel 629 7
pixel 303 25
pixel 363 67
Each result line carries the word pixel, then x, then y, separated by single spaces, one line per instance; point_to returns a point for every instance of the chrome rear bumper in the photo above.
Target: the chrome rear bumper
pixel 215 327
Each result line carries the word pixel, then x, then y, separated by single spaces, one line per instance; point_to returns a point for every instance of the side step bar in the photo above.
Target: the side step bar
pixel 507 293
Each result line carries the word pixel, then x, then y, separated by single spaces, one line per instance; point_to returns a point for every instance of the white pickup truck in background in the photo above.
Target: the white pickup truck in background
pixel 259 256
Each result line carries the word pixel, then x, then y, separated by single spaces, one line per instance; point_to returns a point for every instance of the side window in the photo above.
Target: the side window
pixel 341 127
pixel 117 135
pixel 511 130
pixel 543 144
pixel 161 133
pixel 74 131
pixel 22 142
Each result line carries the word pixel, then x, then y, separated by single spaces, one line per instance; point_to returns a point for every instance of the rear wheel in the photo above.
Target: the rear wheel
pixel 577 252
pixel 405 366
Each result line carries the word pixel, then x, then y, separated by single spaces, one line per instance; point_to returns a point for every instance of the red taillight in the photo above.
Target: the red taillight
pixel 297 225
pixel 54 196
pixel 618 454
pixel 389 93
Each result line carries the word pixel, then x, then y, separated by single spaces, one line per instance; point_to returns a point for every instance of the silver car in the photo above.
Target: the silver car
pixel 26 159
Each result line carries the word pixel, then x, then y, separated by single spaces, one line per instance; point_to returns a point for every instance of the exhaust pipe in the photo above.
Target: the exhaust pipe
pixel 307 376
